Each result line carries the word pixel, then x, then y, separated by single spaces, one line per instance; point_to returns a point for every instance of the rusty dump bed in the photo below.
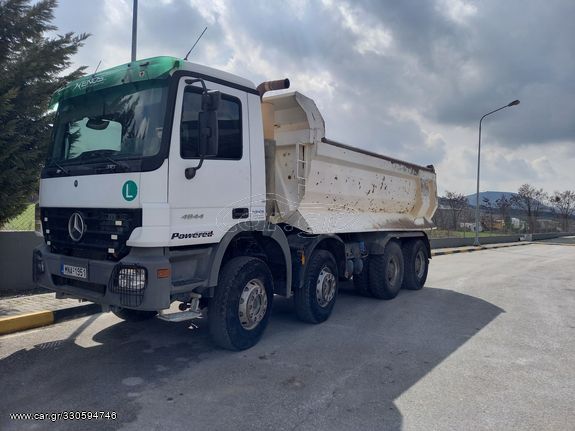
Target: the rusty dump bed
pixel 322 186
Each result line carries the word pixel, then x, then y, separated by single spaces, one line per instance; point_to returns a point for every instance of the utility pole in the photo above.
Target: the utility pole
pixel 134 29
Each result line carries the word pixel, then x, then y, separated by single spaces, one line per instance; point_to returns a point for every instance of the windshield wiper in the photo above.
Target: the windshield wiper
pixel 101 154
pixel 59 166
pixel 116 162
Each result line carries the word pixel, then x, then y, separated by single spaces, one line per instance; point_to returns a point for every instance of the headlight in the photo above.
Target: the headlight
pixel 132 279
pixel 129 281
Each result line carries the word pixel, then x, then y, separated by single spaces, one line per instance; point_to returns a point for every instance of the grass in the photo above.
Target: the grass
pixel 24 221
pixel 439 233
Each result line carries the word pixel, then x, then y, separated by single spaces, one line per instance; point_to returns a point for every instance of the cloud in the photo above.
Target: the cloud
pixel 370 36
pixel 409 79
pixel 457 10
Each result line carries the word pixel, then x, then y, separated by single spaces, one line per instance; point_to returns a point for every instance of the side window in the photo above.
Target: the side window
pixel 229 125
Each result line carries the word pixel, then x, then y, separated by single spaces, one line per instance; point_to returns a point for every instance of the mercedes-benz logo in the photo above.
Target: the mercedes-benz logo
pixel 76 227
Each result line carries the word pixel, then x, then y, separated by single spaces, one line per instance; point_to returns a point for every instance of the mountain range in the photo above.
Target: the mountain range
pixel 492 196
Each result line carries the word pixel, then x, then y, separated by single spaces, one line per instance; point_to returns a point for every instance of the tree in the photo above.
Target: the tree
pixel 33 65
pixel 456 203
pixel 487 204
pixel 531 200
pixel 503 205
pixel 564 204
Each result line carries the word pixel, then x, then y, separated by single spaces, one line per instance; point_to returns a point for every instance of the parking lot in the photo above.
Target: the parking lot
pixel 487 344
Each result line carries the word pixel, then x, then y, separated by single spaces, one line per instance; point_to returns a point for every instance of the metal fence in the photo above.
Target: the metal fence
pixel 27 220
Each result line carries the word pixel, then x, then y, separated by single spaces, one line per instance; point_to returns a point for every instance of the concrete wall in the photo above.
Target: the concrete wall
pixel 462 242
pixel 16 260
pixel 540 236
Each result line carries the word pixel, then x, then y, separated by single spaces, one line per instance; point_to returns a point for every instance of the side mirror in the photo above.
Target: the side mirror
pixel 208 133
pixel 211 100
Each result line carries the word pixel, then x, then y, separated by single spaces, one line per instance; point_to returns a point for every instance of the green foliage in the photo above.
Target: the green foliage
pixel 26 220
pixel 32 67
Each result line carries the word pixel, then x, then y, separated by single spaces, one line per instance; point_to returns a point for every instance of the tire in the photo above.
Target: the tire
pixel 130 315
pixel 239 312
pixel 416 260
pixel 361 280
pixel 315 300
pixel 386 272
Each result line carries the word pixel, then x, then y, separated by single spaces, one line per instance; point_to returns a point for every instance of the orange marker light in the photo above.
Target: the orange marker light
pixel 163 273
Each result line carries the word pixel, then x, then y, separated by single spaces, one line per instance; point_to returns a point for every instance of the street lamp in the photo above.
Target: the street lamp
pixel 476 243
pixel 134 29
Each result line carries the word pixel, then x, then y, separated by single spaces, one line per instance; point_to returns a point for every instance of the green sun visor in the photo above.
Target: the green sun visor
pixel 141 70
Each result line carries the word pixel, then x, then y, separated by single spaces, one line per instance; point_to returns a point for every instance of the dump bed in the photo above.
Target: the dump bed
pixel 322 186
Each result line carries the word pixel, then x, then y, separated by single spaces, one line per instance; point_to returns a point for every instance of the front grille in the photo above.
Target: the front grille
pixel 105 235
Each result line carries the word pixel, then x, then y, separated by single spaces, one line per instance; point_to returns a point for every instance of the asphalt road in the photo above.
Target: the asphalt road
pixel 488 344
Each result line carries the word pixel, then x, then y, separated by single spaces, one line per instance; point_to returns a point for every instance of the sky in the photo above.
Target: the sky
pixel 409 79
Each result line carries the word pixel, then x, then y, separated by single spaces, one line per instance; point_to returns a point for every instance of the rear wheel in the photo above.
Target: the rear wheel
pixel 416 260
pixel 239 312
pixel 386 272
pixel 130 315
pixel 315 300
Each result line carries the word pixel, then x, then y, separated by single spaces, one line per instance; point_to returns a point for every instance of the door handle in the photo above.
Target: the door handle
pixel 240 213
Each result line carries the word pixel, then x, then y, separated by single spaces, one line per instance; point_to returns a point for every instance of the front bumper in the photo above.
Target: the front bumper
pixel 100 285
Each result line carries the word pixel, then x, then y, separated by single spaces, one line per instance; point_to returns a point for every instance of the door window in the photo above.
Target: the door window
pixel 229 125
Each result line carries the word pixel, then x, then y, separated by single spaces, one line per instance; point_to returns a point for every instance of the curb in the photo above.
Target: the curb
pixel 22 322
pixel 481 247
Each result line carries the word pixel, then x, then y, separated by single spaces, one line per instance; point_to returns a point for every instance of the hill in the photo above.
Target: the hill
pixel 492 196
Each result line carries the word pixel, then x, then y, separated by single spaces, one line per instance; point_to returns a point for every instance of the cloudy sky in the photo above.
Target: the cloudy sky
pixel 409 78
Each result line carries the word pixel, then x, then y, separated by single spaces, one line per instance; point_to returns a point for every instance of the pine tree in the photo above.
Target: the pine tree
pixel 32 66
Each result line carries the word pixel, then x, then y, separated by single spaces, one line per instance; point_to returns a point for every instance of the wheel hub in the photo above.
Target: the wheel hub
pixel 253 304
pixel 392 270
pixel 325 287
pixel 419 264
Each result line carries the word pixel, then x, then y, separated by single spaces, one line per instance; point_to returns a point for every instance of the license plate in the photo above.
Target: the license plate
pixel 74 271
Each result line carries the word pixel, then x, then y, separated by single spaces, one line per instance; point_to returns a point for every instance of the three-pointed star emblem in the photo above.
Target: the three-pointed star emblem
pixel 76 227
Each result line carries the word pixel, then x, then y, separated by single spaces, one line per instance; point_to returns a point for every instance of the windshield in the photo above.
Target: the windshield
pixel 123 122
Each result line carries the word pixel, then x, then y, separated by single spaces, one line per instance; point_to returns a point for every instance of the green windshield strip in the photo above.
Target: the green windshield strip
pixel 141 70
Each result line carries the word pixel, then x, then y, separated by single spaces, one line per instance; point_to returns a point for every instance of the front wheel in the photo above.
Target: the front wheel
pixel 314 301
pixel 239 312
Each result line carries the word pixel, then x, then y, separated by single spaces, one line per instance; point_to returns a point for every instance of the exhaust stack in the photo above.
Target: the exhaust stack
pixel 268 108
pixel 266 86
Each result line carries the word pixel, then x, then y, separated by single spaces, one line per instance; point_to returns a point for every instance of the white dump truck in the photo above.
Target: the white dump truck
pixel 171 188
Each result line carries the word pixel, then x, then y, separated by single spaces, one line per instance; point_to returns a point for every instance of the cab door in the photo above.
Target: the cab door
pixel 205 207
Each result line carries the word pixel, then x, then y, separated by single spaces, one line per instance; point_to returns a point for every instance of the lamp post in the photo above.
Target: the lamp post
pixel 134 29
pixel 476 242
